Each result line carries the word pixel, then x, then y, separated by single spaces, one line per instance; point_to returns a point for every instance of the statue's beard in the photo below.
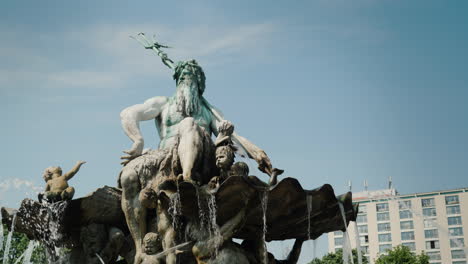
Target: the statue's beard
pixel 188 99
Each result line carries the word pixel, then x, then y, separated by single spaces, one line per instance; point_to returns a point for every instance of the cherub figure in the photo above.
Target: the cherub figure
pixel 57 188
pixel 151 246
pixel 225 155
pixel 224 160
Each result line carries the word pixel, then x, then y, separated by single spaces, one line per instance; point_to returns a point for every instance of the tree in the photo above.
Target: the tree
pixel 19 243
pixel 402 254
pixel 337 258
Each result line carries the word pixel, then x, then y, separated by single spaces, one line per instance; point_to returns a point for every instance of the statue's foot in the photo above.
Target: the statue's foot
pixel 181 178
pixel 274 177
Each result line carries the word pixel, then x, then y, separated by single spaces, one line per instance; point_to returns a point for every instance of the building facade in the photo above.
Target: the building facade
pixel 433 222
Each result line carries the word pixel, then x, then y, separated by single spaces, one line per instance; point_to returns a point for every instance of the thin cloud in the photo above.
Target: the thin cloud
pixel 86 79
pixel 109 59
pixel 19 185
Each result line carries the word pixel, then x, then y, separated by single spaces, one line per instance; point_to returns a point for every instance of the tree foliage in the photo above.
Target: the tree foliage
pixel 402 254
pixel 337 258
pixel 19 243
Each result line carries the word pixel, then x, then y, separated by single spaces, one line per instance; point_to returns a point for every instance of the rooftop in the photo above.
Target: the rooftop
pixel 386 194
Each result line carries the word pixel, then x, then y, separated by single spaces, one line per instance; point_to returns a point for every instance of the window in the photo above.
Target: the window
pixel 433 244
pixel 451 210
pixel 365 249
pixel 457 242
pixel 433 255
pixel 456 231
pixel 405 214
pixel 453 199
pixel 338 241
pixel 382 207
pixel 404 205
pixel 410 245
pixel 428 223
pixel 385 237
pixel 338 233
pixel 361 219
pixel 404 225
pixel 433 233
pixel 362 208
pixel 383 216
pixel 458 254
pixel 382 227
pixel 459 262
pixel 454 220
pixel 429 212
pixel 429 202
pixel 407 235
pixel 362 229
pixel 383 248
pixel 364 239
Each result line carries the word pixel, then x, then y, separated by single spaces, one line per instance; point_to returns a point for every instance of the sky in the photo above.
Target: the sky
pixel 333 90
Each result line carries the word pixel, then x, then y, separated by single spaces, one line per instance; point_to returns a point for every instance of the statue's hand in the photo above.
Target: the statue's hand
pixel 264 163
pixel 135 151
pixel 80 162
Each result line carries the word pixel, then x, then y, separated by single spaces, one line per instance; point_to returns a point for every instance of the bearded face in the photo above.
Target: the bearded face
pixel 188 98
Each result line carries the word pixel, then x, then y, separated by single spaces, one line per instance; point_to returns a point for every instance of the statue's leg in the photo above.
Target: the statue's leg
pixel 68 193
pixel 135 214
pixel 190 147
pixel 168 242
pixel 167 231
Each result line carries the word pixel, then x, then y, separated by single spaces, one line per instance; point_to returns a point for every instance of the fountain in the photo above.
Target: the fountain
pixel 6 253
pixel 186 201
pixel 29 251
pixel 1 232
pixel 347 251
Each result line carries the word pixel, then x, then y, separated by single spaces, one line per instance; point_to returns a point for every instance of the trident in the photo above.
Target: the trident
pixel 156 47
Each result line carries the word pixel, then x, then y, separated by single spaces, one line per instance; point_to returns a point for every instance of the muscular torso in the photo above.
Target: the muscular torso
pixel 169 119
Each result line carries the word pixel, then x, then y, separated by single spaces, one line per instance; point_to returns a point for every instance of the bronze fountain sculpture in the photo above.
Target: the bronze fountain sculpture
pixel 185 201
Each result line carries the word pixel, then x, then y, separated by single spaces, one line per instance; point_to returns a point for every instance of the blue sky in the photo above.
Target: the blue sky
pixel 332 90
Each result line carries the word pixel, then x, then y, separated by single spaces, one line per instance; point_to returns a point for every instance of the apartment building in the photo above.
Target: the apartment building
pixel 433 222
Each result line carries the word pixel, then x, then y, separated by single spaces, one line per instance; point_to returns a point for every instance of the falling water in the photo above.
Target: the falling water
pixel 29 250
pixel 1 232
pixel 100 259
pixel 314 245
pixel 264 209
pixel 8 241
pixel 175 208
pixel 213 226
pixel 358 243
pixel 347 253
pixel 19 258
pixel 55 214
pixel 346 249
pixel 309 210
pixel 201 213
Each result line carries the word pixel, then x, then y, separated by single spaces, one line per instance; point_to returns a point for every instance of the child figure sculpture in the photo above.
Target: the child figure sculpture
pixel 57 188
pixel 151 246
